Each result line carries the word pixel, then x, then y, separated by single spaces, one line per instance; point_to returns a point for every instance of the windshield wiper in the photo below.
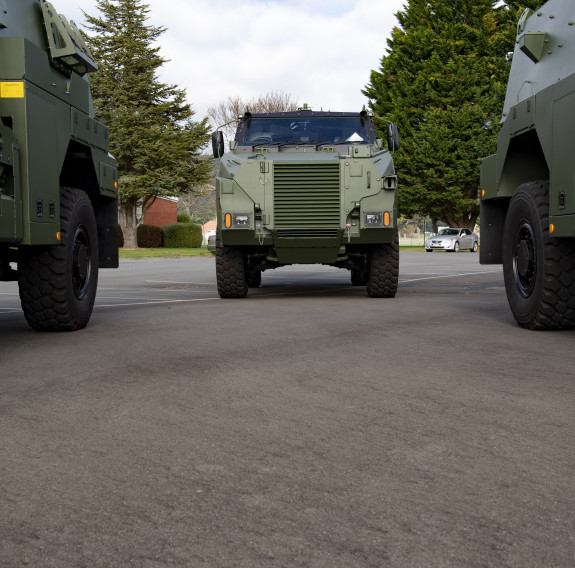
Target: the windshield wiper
pixel 326 142
pixel 270 144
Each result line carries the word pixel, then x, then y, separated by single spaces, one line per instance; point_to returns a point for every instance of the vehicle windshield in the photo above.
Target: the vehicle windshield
pixel 277 131
pixel 449 232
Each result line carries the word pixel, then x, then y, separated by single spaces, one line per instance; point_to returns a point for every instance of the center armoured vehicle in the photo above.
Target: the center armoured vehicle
pixel 306 187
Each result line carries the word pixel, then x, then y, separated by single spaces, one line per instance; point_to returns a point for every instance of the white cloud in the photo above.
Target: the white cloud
pixel 319 52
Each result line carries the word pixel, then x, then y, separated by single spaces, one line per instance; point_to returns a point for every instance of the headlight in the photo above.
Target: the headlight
pixel 373 219
pixel 241 220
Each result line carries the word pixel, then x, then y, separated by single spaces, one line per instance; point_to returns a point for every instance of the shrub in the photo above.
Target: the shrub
pixel 150 236
pixel 120 237
pixel 182 235
pixel 184 217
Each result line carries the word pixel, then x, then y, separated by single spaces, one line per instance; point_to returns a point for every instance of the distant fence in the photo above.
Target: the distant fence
pixel 413 240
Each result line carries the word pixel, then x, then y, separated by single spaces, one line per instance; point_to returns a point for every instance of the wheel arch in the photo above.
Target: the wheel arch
pixel 524 162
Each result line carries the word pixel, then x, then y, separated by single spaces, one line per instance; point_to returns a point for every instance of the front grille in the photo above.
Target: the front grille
pixel 307 233
pixel 306 195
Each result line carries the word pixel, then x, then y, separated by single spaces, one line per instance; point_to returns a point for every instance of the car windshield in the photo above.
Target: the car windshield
pixel 315 130
pixel 449 232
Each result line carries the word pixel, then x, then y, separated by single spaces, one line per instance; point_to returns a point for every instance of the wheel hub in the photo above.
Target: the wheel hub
pixel 81 264
pixel 525 261
pixel 524 258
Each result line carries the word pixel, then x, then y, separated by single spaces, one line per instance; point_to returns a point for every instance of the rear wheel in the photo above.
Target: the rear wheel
pixel 539 270
pixel 58 283
pixel 474 247
pixel 383 270
pixel 230 272
pixel 359 276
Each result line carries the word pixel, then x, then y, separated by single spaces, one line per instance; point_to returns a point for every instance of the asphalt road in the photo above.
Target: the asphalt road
pixel 306 425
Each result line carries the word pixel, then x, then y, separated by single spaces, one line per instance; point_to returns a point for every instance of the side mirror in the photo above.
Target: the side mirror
pixel 218 144
pixel 392 137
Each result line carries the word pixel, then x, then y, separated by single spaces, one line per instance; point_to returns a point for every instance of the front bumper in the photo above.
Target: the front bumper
pixel 440 245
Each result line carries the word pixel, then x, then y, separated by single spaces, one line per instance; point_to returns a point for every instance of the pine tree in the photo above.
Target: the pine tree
pixel 152 135
pixel 443 82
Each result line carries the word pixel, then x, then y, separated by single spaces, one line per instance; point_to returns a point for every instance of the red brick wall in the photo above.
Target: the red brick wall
pixel 162 212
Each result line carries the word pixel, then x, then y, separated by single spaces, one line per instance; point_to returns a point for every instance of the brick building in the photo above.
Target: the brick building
pixel 163 211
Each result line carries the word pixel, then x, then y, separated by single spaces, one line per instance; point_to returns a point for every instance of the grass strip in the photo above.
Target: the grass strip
pixel 164 252
pixel 203 251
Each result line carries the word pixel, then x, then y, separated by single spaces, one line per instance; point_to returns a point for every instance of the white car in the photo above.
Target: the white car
pixel 452 240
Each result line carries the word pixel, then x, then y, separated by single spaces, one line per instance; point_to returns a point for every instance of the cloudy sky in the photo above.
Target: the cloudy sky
pixel 318 51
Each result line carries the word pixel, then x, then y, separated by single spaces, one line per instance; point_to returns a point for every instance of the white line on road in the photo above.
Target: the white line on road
pixel 176 282
pixel 154 302
pixel 450 276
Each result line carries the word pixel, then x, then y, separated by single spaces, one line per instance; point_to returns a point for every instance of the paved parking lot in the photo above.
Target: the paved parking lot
pixel 306 425
pixel 184 280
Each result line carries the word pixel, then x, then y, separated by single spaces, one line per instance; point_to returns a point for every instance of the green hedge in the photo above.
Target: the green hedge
pixel 184 217
pixel 182 235
pixel 150 236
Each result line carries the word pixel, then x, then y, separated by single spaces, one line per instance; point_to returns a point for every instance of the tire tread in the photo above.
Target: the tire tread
pixel 556 308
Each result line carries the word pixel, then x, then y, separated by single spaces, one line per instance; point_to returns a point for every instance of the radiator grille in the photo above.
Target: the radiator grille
pixel 306 195
pixel 307 233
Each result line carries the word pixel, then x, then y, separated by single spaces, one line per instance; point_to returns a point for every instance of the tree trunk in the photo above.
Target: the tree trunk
pixel 129 223
pixel 464 222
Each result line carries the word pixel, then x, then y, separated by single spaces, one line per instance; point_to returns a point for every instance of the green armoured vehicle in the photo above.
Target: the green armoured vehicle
pixel 528 187
pixel 58 183
pixel 306 187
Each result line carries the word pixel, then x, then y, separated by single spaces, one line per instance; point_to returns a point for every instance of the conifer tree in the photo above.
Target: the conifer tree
pixel 153 135
pixel 443 82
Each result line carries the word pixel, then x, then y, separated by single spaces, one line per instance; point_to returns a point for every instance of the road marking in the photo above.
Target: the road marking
pixel 176 282
pixel 154 302
pixel 449 276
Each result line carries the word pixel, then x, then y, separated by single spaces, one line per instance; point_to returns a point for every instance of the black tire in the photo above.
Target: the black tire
pixel 359 276
pixel 253 277
pixel 474 247
pixel 383 270
pixel 539 270
pixel 58 284
pixel 456 247
pixel 428 250
pixel 230 272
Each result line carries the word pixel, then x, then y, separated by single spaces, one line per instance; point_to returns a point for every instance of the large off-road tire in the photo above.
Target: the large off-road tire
pixel 231 272
pixel 539 270
pixel 58 283
pixel 383 270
